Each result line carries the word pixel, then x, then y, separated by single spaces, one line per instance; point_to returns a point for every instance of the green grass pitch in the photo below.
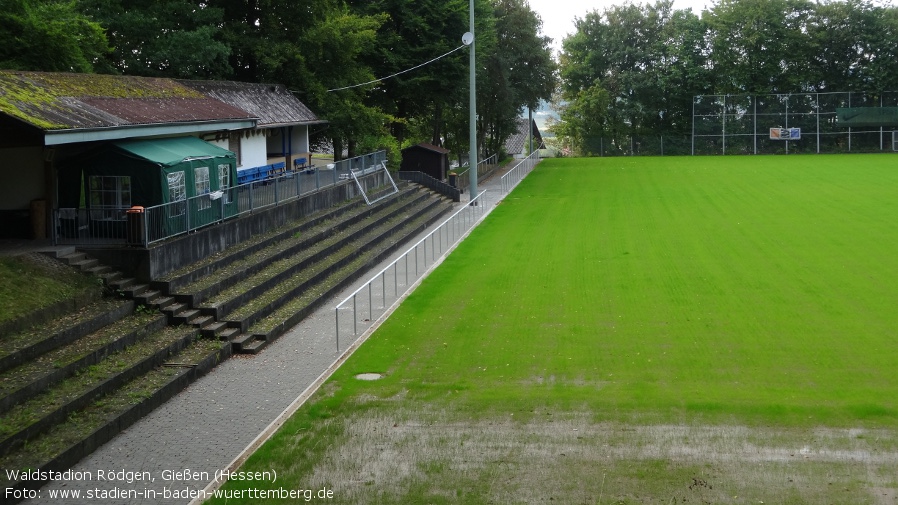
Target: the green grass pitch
pixel 635 330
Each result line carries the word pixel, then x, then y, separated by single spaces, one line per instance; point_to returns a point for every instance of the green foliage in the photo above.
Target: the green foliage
pixel 519 72
pixel 170 38
pixel 49 35
pixel 652 60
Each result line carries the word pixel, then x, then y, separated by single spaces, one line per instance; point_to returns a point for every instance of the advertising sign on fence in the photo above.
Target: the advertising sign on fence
pixel 785 134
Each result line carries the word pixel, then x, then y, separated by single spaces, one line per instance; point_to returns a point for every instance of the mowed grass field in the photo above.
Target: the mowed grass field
pixel 634 330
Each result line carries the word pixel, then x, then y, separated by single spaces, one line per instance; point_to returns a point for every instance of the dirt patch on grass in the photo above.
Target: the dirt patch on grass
pixel 413 455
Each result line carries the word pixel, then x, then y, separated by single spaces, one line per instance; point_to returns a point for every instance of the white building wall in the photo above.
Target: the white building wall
pixel 252 148
pixel 253 151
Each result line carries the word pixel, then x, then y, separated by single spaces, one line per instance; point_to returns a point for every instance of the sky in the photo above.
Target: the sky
pixel 558 15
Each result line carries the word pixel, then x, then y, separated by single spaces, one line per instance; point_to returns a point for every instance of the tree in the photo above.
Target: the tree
pixel 643 62
pixel 163 38
pixel 519 71
pixel 415 32
pixel 760 46
pixel 49 35
pixel 311 46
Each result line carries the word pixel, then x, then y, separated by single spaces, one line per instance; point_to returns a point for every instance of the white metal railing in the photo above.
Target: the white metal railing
pixel 160 222
pixel 484 167
pixel 391 283
pixel 372 190
pixel 519 171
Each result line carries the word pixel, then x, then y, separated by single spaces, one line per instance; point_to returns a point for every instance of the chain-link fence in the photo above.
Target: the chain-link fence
pixel 638 145
pixel 741 124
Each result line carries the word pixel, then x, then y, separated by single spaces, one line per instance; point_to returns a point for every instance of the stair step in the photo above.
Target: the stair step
pixel 161 302
pixel 147 297
pixel 99 269
pixel 182 316
pixel 229 334
pixel 211 330
pixel 242 340
pixel 200 321
pixel 135 290
pixel 85 264
pixel 121 284
pixel 111 276
pixel 254 347
pixel 70 258
pixel 174 308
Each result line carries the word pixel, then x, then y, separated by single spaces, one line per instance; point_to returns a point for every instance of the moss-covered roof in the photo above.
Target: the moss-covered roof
pixel 58 101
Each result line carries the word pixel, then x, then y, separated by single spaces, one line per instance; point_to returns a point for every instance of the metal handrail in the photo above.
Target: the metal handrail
pixel 511 178
pixel 467 213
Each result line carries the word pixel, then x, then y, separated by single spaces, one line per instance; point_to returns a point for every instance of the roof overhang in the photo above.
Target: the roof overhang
pixel 283 125
pixel 71 136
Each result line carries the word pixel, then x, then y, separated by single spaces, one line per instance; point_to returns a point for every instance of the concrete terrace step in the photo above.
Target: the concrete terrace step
pixel 176 280
pixel 121 283
pixel 212 328
pixel 229 333
pixel 40 413
pixel 255 346
pixel 135 290
pixel 240 341
pixel 294 310
pixel 274 273
pixel 174 367
pixel 246 265
pixel 352 260
pixel 34 376
pixel 19 348
pixel 72 257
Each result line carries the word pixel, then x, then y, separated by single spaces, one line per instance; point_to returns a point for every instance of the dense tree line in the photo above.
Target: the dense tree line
pixel 313 47
pixel 634 69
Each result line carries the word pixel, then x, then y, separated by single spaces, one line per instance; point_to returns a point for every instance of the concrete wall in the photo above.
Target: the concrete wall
pixel 160 259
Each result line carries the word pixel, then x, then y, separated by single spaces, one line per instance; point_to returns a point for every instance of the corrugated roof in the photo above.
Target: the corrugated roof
pixel 63 101
pixel 517 141
pixel 273 104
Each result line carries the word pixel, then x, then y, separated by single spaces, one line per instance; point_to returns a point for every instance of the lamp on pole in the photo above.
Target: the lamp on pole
pixel 468 39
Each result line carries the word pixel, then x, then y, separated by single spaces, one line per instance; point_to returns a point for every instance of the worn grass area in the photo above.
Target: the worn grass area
pixel 634 330
pixel 27 284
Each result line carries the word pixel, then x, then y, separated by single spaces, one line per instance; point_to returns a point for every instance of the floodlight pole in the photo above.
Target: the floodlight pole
pixel 472 140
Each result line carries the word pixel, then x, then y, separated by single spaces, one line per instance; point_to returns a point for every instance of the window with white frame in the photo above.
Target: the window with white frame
pixel 224 180
pixel 110 196
pixel 203 187
pixel 177 192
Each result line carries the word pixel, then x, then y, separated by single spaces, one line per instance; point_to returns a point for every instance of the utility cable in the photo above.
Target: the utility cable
pixel 398 73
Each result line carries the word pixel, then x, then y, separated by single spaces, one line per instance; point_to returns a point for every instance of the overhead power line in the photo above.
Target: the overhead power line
pixel 398 73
